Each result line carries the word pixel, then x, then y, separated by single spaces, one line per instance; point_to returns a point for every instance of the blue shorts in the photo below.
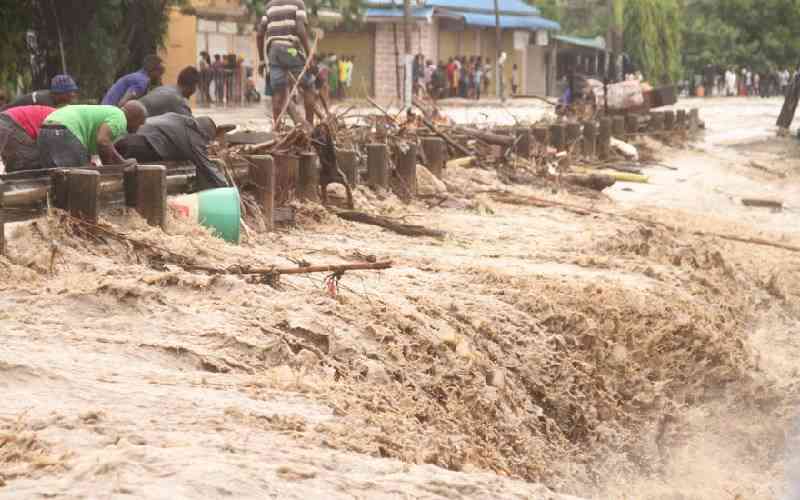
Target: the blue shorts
pixel 283 61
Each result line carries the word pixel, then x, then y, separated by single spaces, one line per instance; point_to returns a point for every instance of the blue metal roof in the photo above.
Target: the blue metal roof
pixel 515 6
pixel 416 12
pixel 532 23
pixel 514 14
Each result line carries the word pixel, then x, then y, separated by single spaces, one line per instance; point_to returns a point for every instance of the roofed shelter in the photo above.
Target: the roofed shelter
pixel 584 55
pixel 448 28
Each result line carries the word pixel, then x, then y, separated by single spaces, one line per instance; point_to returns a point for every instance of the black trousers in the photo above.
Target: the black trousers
pixel 136 146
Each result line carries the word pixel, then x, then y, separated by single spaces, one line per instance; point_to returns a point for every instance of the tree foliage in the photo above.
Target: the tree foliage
pixel 653 38
pixel 15 20
pixel 102 39
pixel 759 34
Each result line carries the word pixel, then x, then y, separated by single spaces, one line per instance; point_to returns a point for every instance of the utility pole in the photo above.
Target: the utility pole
pixel 614 45
pixel 409 84
pixel 498 44
pixel 610 38
pixel 60 39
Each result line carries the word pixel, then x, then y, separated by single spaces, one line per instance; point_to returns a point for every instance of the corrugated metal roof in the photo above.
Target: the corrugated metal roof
pixel 507 6
pixel 416 12
pixel 532 23
pixel 598 43
pixel 514 14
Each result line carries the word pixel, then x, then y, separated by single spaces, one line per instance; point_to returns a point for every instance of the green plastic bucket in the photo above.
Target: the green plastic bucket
pixel 218 209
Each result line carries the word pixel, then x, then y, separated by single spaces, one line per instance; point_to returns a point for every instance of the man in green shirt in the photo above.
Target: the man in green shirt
pixel 71 135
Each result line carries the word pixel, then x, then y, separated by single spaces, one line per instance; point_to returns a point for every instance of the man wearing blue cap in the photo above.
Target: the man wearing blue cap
pixel 135 85
pixel 63 91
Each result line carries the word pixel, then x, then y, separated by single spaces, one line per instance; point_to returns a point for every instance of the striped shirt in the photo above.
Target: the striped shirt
pixel 280 23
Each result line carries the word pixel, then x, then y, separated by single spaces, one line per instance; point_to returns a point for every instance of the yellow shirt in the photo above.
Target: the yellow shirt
pixel 342 71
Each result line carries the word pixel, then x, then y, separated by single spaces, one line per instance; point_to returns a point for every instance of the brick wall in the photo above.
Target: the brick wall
pixel 425 40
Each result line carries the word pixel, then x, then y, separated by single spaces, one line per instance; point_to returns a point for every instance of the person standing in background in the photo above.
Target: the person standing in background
pixel 342 67
pixel 333 76
pixel 487 76
pixel 204 66
pixel 350 71
pixel 429 70
pixel 218 74
pixel 478 78
pixel 451 69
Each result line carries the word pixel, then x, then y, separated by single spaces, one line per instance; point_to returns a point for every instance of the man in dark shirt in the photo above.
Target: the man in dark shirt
pixel 173 98
pixel 175 137
pixel 63 91
pixel 285 30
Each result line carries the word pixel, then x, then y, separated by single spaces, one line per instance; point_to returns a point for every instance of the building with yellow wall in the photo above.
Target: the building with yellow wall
pixel 216 26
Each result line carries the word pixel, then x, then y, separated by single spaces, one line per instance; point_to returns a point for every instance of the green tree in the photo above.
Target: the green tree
pixel 15 20
pixel 758 34
pixel 101 39
pixel 653 38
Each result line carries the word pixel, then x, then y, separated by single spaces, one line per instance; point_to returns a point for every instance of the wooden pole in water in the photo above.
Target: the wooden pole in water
pixel 589 139
pixel 435 154
pixel 83 188
pixel 286 170
pixel 694 120
pixel 523 138
pixel 574 138
pixel 618 127
pixel 151 194
pixel 406 165
pixel 680 119
pixel 542 136
pixel 669 121
pixel 129 185
pixel 59 188
pixel 308 178
pixel 262 172
pixel 558 136
pixel 631 125
pixel 604 139
pixel 377 172
pixel 346 160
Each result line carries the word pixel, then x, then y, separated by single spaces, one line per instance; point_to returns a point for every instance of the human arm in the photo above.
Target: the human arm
pixel 135 91
pixel 196 150
pixel 207 169
pixel 105 146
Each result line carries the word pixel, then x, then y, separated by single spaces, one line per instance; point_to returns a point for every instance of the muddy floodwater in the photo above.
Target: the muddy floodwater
pixel 532 353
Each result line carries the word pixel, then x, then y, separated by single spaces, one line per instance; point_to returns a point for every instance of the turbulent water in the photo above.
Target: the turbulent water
pixel 533 350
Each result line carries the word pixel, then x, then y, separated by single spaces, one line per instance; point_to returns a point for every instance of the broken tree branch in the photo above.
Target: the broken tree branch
pixel 387 223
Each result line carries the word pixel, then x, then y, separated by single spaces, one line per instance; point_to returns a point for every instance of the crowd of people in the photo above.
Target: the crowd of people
pixel 462 76
pixel 334 75
pixel 139 120
pixel 744 82
pixel 228 79
pixel 466 77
